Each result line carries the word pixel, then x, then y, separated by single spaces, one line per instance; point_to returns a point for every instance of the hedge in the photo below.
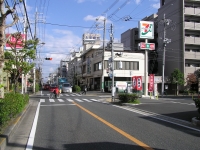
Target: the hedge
pixel 127 97
pixel 76 88
pixel 11 105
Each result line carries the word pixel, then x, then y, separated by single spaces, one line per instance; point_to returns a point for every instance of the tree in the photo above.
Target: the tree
pixel 17 63
pixel 3 40
pixel 191 79
pixel 177 78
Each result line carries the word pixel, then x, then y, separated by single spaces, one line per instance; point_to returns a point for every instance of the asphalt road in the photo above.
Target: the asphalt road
pixel 88 123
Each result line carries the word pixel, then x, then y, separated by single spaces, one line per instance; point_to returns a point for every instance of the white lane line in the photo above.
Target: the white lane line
pixel 70 100
pixel 60 100
pixel 86 100
pixel 78 100
pixel 66 95
pixel 51 100
pixel 73 95
pixel 42 100
pixel 48 94
pixel 76 94
pixel 153 115
pixel 61 94
pixel 31 138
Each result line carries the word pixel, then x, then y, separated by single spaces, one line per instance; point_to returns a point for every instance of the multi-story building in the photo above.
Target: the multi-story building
pixel 183 52
pixel 63 68
pixel 90 64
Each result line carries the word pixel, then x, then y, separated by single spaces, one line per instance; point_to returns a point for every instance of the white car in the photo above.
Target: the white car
pixel 66 88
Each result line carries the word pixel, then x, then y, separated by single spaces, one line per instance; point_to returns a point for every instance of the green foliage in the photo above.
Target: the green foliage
pixel 37 87
pixel 76 88
pixel 16 63
pixel 11 105
pixel 127 98
pixel 177 77
pixel 30 80
pixel 197 103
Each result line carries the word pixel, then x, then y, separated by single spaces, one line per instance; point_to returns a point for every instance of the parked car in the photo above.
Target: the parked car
pixel 66 88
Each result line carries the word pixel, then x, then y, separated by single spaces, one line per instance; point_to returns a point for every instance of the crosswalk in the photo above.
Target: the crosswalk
pixel 69 94
pixel 69 100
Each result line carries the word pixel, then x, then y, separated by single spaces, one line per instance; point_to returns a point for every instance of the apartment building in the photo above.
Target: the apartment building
pixel 183 52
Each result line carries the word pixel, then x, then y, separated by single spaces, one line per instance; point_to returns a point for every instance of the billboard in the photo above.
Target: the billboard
pixel 15 42
pixel 146 30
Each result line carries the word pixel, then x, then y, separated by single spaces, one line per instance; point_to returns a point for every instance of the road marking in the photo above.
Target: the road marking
pixel 66 95
pixel 78 100
pixel 86 100
pixel 51 100
pixel 42 100
pixel 95 100
pixel 57 105
pixel 60 100
pixel 133 139
pixel 29 145
pixel 70 100
pixel 156 116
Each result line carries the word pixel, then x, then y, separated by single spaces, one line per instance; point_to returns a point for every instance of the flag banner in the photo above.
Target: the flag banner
pixel 139 83
pixel 151 83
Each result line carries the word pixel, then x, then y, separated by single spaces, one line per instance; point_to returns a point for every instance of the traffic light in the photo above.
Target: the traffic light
pixel 48 58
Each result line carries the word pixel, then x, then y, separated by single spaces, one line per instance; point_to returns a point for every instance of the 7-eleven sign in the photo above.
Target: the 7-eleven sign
pixel 146 30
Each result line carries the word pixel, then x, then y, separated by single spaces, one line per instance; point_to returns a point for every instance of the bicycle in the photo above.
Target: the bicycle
pixel 54 95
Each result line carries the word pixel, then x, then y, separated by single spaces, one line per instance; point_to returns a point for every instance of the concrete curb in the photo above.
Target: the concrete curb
pixel 10 129
pixel 195 122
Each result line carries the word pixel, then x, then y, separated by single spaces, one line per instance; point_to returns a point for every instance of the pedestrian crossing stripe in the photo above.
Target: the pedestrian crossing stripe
pixel 69 100
pixel 51 100
pixel 72 94
pixel 61 100
pixel 78 100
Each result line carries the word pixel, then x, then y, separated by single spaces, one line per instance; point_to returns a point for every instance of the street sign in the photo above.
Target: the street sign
pixel 149 46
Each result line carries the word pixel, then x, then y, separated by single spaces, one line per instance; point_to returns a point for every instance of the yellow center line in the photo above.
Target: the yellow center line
pixel 138 142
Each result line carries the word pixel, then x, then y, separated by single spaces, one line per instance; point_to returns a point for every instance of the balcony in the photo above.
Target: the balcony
pixel 192 11
pixel 192 25
pixel 191 69
pixel 192 40
pixel 192 55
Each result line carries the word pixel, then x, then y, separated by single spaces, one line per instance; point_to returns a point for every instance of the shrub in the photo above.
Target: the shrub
pixel 197 103
pixel 11 105
pixel 127 98
pixel 76 88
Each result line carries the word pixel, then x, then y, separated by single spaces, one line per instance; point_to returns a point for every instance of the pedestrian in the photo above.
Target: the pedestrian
pixel 84 89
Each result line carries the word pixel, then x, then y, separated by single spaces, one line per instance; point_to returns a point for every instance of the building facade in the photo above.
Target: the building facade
pixel 183 52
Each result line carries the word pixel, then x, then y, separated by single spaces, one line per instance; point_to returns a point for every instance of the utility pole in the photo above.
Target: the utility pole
pixel 112 60
pixel 102 66
pixel 165 41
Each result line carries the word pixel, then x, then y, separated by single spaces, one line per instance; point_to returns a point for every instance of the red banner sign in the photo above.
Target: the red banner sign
pixel 14 42
pixel 151 83
pixel 137 83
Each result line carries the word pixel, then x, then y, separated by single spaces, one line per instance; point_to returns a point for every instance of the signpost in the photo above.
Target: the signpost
pixel 146 31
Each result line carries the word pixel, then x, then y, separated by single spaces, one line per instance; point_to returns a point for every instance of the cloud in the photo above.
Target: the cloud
pixel 98 19
pixel 137 1
pixel 58 45
pixel 156 6
pixel 82 1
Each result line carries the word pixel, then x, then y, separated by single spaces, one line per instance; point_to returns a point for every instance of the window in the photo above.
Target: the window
pixel 97 66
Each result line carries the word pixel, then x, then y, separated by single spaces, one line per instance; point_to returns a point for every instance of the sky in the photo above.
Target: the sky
pixel 60 24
